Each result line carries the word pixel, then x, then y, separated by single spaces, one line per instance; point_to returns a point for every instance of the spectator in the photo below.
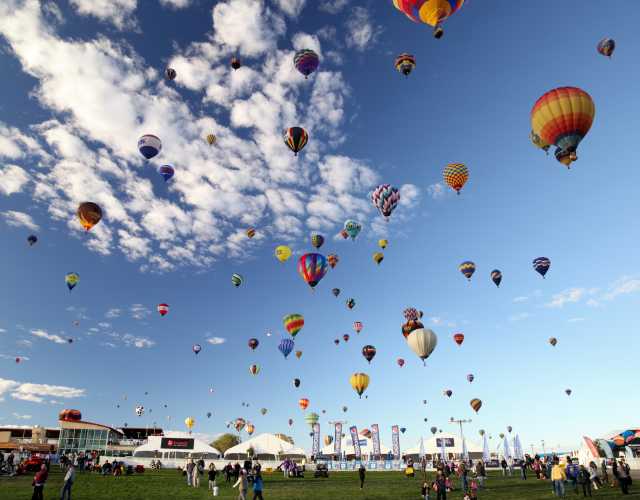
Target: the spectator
pixel 212 476
pixel 572 470
pixel 425 491
pixel 190 468
pixel 622 474
pixel 441 486
pixel 242 485
pixel 38 483
pixel 558 477
pixel 258 486
pixel 593 476
pixel 361 474
pixel 584 480
pixel 503 464
pixel 69 478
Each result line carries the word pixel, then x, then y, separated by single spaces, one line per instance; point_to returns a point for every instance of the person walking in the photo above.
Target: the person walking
pixel 190 467
pixel 558 478
pixel 243 485
pixel 605 474
pixel 503 464
pixel 361 474
pixel 69 478
pixel 464 481
pixel 622 474
pixel 38 483
pixel 441 487
pixel 585 481
pixel 572 471
pixel 523 470
pixel 212 476
pixel 258 486
pixel 424 491
pixel 593 476
pixel 480 473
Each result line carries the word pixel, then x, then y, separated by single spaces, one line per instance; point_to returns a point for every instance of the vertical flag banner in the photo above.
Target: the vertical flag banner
pixel 395 441
pixel 337 439
pixel 485 450
pixel 375 438
pixel 354 438
pixel 316 440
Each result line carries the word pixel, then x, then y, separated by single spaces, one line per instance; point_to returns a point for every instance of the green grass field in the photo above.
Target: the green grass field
pixel 169 484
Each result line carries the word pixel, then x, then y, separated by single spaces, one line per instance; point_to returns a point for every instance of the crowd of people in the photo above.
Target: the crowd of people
pixel 241 477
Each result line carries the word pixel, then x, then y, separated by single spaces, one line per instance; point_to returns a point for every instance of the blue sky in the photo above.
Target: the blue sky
pixel 83 81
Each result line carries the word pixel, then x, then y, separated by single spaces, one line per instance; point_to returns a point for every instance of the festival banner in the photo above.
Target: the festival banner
pixel 337 439
pixel 315 451
pixel 356 442
pixel 395 441
pixel 375 439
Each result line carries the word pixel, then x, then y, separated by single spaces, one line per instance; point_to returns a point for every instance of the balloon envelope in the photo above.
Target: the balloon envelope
pixel 422 341
pixel 359 382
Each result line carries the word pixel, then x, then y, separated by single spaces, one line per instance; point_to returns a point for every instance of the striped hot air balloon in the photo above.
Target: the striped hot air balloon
pixel 405 64
pixel 149 146
pixel 254 369
pixel 296 139
pixel 358 326
pixel 163 309
pixel 458 338
pixel 431 12
pixel 306 61
pixel 236 279
pixel 170 73
pixel 385 198
pixel 293 323
pixel 455 175
pixel 312 267
pixel 476 404
pixel 251 232
pixel 286 346
pixel 541 265
pixel 496 277
pixel 166 172
pixel 467 268
pixel 211 139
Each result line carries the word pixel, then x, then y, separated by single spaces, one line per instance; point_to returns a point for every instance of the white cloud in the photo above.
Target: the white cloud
pixel 362 32
pixel 2 330
pixel 570 296
pixel 138 311
pixel 521 298
pixel 117 12
pixel 104 324
pixel 48 336
pixel 175 4
pixel 216 340
pixel 14 179
pixel 21 417
pixel 622 286
pixel 36 393
pixel 291 7
pixel 139 342
pixel 19 219
pixel 519 316
pixel 15 145
pixel 333 6
pixel 436 191
pixel 409 195
pixel 113 313
pixel 24 343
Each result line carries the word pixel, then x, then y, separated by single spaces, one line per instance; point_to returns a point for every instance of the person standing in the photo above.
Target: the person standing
pixel 464 482
pixel 523 470
pixel 503 464
pixel 69 478
pixel 572 471
pixel 361 474
pixel 558 478
pixel 10 460
pixel 425 491
pixel 622 474
pixel 480 473
pixel 242 485
pixel 605 474
pixel 593 476
pixel 195 477
pixel 258 486
pixel 441 486
pixel 38 483
pixel 212 476
pixel 585 481
pixel 190 467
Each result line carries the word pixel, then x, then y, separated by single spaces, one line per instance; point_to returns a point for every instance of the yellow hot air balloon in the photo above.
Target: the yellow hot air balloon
pixel 211 139
pixel 189 422
pixel 431 12
pixel 378 257
pixel 383 244
pixel 359 382
pixel 250 428
pixel 283 253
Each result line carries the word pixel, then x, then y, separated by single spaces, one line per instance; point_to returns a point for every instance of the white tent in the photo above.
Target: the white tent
pixel 366 447
pixel 453 445
pixel 265 447
pixel 175 445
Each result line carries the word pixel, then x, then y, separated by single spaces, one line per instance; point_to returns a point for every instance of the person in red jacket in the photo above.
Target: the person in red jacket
pixel 38 483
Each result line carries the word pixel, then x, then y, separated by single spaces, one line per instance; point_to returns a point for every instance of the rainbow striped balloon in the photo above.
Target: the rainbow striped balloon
pixel 293 323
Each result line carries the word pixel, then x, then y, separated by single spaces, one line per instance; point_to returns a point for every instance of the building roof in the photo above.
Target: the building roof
pixel 154 443
pixel 266 444
pixel 71 424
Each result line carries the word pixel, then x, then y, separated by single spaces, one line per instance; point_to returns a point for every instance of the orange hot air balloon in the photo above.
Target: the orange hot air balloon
pixel 89 214
pixel 333 259
pixel 456 175
pixel 458 338
pixel 476 404
pixel 298 354
pixel 303 403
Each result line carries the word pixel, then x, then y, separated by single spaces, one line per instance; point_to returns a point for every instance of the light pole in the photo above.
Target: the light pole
pixel 460 423
pixel 544 451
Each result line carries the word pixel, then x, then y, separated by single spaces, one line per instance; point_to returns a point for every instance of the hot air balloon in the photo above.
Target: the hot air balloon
pixel 328 440
pixel 431 12
pixel 336 341
pixel 481 432
pixel 344 234
pixel 369 352
pixel 405 63
pixel 352 228
pixel 306 61
pixel 458 338
pixel 253 343
pixel 209 414
pixel 538 142
pixel 163 309
pixel 568 392
pixel 170 73
pixel 344 409
pixel 447 392
pixel 365 433
pixel 311 419
pixel 312 267
pixel 71 279
pixel 290 421
pixel 345 337
pixel 496 277
pixel 293 323
pixel 476 404
pixel 298 354
pixel 400 362
pixel 236 279
pixel 211 139
pixel 606 46
pixel 332 259
pixel 357 326
pixel 471 377
pixel 509 429
pixel 89 214
pixel 317 240
pixel 351 303
pixel 285 347
pixel 562 117
pixel 239 424
pixel 283 253
pixel 467 268
pixel 251 232
pixel 383 243
pixel 196 348
pixel 359 382
pixel 422 341
pixel 166 172
pixel 403 429
pixel 378 257
pixel 263 411
pixel 303 403
pixel 235 63
pixel 410 326
pixel 149 146
pixel 501 435
pixel 32 239
pixel 296 139
pixel 385 198
pixel 296 382
pixel 410 314
pixel 434 430
pixel 139 410
pixel 455 176
pixel 541 265
pixel 335 292
pixel 250 428
pixel 553 341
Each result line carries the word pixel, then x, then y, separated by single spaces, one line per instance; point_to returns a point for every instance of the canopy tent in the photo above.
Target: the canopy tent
pixel 265 447
pixel 175 445
pixel 366 447
pixel 452 445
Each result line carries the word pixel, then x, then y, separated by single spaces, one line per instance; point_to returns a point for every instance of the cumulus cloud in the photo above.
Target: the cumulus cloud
pixel 216 340
pixel 570 296
pixel 291 7
pixel 362 32
pixel 333 6
pixel 139 342
pixel 43 334
pixel 19 219
pixel 37 393
pixel 175 4
pixel 139 311
pixel 113 313
pixel 118 12
pixel 14 179
pixel 436 191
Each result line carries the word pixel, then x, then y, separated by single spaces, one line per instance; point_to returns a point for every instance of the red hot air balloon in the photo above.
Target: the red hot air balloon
pixel 163 309
pixel 458 338
pixel 253 343
pixel 358 326
pixel 345 337
pixel 369 352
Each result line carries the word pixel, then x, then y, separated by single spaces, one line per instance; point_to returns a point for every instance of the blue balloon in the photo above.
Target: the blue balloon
pixel 149 146
pixel 286 346
pixel 166 171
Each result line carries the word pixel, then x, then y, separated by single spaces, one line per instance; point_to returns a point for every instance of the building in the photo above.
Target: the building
pixel 34 439
pixel 176 446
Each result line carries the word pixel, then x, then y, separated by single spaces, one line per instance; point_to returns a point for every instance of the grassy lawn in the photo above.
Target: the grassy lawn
pixel 168 484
